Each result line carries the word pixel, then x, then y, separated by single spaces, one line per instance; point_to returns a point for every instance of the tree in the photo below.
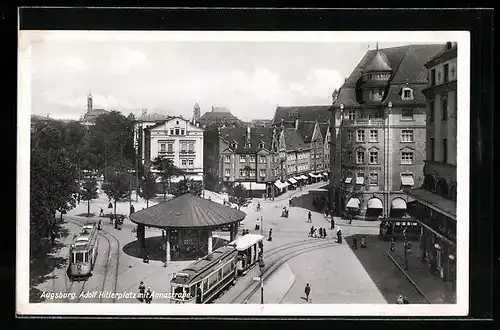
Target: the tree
pixel 89 191
pixel 166 170
pixel 238 195
pixel 188 186
pixel 148 188
pixel 116 188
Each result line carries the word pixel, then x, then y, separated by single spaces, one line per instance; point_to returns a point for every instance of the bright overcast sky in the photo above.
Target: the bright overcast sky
pixel 250 78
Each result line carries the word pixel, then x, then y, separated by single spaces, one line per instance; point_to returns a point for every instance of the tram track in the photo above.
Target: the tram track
pixel 288 251
pixel 104 233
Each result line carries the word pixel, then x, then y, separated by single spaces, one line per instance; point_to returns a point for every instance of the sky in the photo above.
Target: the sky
pixel 249 77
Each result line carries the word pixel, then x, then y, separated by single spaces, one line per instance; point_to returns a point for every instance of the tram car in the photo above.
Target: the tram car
pixel 207 278
pixel 395 227
pixel 83 252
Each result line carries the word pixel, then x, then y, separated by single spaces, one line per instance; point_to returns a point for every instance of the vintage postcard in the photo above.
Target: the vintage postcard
pixel 243 173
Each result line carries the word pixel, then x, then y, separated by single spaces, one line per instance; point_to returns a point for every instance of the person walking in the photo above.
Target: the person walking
pixel 270 238
pixel 307 291
pixel 324 233
pixel 354 242
pixel 363 242
pixel 149 296
pixel 332 224
pixel 339 236
pixel 320 232
pixel 132 209
pixel 142 289
pixel 101 213
pixel 311 232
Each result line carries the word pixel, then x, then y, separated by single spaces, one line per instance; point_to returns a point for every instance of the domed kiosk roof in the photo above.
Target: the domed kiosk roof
pixel 187 212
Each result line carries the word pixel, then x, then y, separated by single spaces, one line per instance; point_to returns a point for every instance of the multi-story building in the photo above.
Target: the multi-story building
pixel 220 117
pixel 380 124
pixel 435 200
pixel 196 114
pixel 176 138
pixel 247 156
pixel 142 122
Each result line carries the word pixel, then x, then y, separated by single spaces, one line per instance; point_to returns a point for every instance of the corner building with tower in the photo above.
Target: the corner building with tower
pixel 379 117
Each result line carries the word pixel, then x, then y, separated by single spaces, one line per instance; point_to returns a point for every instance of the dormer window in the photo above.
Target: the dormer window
pixel 247 145
pixel 407 94
pixel 233 145
pixel 261 145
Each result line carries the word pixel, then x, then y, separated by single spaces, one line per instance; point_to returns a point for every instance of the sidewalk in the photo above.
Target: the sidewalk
pixel 433 287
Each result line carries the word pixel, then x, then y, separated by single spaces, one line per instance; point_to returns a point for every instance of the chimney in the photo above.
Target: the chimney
pixel 248 132
pixel 297 123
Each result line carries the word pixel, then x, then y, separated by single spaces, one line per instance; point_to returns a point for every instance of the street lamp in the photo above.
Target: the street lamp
pixel 261 267
pixel 339 172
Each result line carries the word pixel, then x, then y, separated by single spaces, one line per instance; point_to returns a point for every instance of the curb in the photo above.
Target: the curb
pixel 407 276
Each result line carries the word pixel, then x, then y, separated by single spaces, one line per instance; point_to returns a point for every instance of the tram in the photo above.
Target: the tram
pixel 83 252
pixel 204 280
pixel 394 228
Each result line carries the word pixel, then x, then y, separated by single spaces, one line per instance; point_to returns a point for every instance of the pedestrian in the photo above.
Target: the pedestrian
pixel 99 224
pixel 149 296
pixel 400 301
pixel 142 289
pixel 332 224
pixel 307 291
pixel 132 209
pixel 290 202
pixel 101 213
pixel 393 245
pixel 354 242
pixel 270 238
pixel 405 300
pixel 324 233
pixel 309 217
pixel 404 233
pixel 320 232
pixel 311 232
pixel 363 242
pixel 339 236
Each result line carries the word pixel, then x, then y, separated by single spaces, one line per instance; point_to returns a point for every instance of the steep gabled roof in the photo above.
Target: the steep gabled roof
pixel 303 113
pixel 152 117
pixel 324 127
pixel 293 140
pixel 239 135
pixel 306 130
pixel 378 63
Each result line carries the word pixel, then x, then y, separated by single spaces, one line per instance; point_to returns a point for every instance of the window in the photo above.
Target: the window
pixel 163 147
pixel 79 257
pixel 349 156
pixel 407 157
pixel 373 157
pixel 360 157
pixel 360 135
pixel 407 94
pixel 261 145
pixel 262 159
pixel 407 114
pixel 433 77
pixel 243 172
pixel 228 172
pixel 252 159
pixel 444 107
pixel 183 162
pixel 227 159
pixel 243 159
pixel 183 146
pixel 191 147
pixel 445 150
pixel 349 135
pixel 190 162
pixel 176 131
pixel 432 152
pixel 446 72
pixel 262 173
pixel 373 135
pixel 406 135
pixel 171 131
pixel 247 145
pixel 170 147
pixel 431 110
pixel 351 114
pixel 182 131
pixel 252 172
pixel 374 178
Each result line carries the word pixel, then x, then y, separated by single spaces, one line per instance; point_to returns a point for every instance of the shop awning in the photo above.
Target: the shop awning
pixel 353 203
pixel 325 173
pixel 407 180
pixel 398 204
pixel 348 180
pixel 360 180
pixel 254 185
pixel 297 178
pixel 292 180
pixel 303 177
pixel 280 184
pixel 196 177
pixel 375 203
pixel 312 175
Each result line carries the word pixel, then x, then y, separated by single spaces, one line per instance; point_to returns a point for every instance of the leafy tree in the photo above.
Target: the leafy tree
pixel 188 186
pixel 116 188
pixel 53 187
pixel 89 192
pixel 238 195
pixel 166 170
pixel 148 188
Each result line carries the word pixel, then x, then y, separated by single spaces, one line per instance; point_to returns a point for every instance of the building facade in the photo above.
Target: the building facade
pixel 247 156
pixel 380 124
pixel 220 117
pixel 142 122
pixel 89 118
pixel 435 199
pixel 176 138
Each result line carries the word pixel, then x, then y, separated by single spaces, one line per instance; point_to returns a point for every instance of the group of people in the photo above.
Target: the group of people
pixel 355 242
pixel 145 296
pixel 317 232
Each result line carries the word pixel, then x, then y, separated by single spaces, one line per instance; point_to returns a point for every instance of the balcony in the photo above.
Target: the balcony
pixel 187 152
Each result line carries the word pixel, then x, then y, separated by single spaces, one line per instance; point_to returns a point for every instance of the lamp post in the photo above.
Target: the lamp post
pixel 339 172
pixel 386 159
pixel 261 267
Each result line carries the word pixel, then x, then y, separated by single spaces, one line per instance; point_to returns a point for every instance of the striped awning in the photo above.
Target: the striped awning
pixel 297 178
pixel 312 175
pixel 292 180
pixel 375 203
pixel 407 180
pixel 360 180
pixel 348 180
pixel 303 177
pixel 325 173
pixel 398 204
pixel 254 185
pixel 353 203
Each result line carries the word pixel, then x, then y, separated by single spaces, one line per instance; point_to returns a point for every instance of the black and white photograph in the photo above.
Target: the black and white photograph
pixel 243 173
